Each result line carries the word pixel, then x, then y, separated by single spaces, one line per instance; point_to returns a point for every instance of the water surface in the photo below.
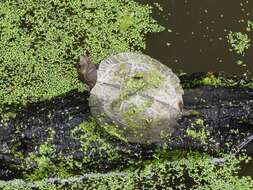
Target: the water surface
pixel 197 40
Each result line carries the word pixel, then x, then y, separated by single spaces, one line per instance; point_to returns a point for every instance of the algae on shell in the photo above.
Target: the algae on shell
pixel 139 95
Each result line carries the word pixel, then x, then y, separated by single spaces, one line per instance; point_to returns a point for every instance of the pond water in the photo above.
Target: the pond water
pixel 247 168
pixel 196 39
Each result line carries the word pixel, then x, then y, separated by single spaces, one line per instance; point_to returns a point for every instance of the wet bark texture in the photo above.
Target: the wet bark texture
pixel 223 114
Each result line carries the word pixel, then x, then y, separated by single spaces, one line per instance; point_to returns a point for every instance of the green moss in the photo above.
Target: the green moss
pixel 134 117
pixel 137 83
pixel 41 42
pixel 133 112
pixel 140 81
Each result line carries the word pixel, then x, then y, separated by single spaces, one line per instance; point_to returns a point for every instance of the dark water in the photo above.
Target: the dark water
pixel 247 168
pixel 198 39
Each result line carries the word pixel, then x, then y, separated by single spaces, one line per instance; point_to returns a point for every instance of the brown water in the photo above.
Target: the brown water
pixel 198 40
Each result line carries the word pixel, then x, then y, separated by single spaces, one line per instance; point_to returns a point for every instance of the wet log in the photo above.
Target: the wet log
pixel 216 119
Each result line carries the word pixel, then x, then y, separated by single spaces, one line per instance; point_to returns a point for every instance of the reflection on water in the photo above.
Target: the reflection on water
pixel 197 40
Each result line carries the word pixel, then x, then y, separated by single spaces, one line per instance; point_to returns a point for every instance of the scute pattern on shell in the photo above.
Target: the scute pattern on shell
pixel 137 94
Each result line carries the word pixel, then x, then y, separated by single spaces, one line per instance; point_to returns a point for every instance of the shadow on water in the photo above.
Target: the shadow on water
pixel 197 40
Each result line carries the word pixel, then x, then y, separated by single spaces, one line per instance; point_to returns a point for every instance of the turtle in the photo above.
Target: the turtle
pixel 133 96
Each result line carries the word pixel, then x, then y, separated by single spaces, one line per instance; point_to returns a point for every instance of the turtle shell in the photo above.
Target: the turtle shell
pixel 136 98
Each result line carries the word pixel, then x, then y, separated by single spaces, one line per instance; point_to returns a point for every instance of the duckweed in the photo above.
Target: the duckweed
pixel 211 79
pixel 239 42
pixel 185 170
pixel 198 130
pixel 41 41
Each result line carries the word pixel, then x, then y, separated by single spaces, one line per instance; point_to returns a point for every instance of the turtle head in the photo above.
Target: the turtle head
pixel 87 71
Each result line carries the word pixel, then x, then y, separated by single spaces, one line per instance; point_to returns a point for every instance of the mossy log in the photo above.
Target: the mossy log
pixel 59 133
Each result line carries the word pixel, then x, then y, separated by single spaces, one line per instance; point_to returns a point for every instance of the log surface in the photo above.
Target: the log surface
pixel 226 112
